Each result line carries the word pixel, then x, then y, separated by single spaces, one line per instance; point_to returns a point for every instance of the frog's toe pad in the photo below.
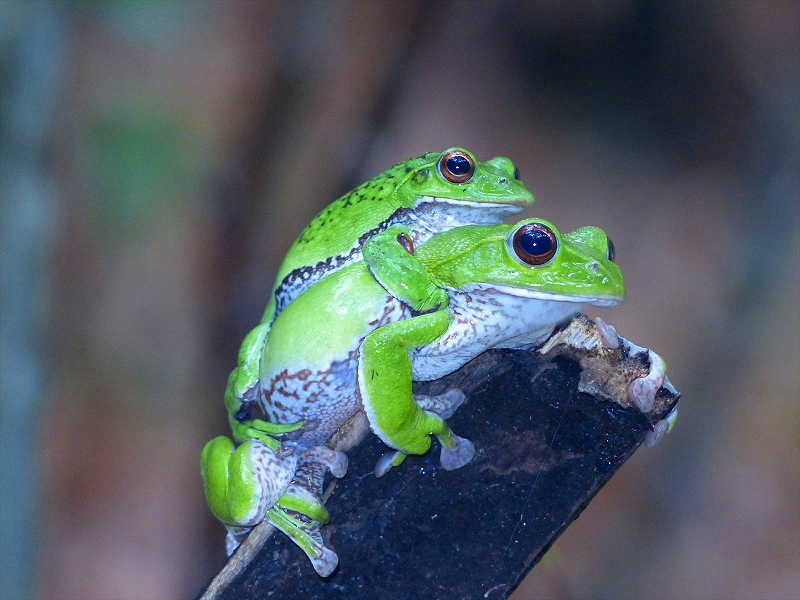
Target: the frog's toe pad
pixel 386 462
pixel 326 563
pixel 338 466
pixel 235 538
pixel 457 456
pixel 662 427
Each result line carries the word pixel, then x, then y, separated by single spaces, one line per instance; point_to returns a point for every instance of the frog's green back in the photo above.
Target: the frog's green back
pixel 354 214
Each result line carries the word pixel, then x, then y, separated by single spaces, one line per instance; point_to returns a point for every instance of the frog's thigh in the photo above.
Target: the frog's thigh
pixel 242 483
pixel 384 383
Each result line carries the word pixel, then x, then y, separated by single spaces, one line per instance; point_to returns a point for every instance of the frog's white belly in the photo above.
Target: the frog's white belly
pixel 484 318
pixel 323 399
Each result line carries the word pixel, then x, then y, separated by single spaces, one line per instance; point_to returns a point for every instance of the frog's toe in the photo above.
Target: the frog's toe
pixel 387 461
pixel 234 538
pixel 608 334
pixel 338 466
pixel 335 462
pixel 326 563
pixel 458 454
pixel 643 390
pixel 661 428
pixel 443 405
pixel 306 534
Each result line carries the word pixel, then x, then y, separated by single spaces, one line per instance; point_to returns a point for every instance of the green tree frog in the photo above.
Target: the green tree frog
pixel 431 193
pixel 347 344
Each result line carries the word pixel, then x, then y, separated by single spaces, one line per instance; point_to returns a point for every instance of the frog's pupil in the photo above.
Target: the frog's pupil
pixel 458 165
pixel 536 242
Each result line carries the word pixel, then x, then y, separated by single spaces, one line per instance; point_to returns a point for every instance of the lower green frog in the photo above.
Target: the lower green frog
pixel 346 345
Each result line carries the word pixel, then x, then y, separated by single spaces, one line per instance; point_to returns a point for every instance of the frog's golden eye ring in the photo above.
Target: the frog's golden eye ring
pixel 533 244
pixel 456 166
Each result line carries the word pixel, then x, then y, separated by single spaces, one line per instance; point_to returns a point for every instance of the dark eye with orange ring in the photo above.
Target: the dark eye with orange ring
pixel 456 166
pixel 534 244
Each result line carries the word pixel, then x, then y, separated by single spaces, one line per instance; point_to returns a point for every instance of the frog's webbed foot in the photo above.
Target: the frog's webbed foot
pixel 300 512
pixel 643 390
pixel 456 452
pixel 333 461
pixel 304 530
pixel 444 405
pixel 615 368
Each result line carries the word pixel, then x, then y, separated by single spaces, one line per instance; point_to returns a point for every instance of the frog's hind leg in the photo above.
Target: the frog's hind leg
pixel 300 511
pixel 241 391
pixel 243 483
pixel 384 388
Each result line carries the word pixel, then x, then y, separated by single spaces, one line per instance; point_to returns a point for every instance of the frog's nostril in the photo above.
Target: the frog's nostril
pixel 503 181
pixel 594 266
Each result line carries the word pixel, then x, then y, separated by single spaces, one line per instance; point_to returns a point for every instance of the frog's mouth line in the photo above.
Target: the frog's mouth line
pixel 539 295
pixel 473 203
pixel 492 209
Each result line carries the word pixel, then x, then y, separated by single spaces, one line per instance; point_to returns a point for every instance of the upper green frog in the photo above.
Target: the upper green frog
pixel 431 193
pixel 347 344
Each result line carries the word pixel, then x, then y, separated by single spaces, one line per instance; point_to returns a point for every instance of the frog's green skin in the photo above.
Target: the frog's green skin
pixel 346 344
pixel 415 193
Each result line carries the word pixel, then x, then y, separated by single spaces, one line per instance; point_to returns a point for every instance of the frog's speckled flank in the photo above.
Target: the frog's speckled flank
pixel 348 344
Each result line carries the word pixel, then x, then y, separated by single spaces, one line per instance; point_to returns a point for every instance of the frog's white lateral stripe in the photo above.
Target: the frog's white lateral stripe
pixel 540 295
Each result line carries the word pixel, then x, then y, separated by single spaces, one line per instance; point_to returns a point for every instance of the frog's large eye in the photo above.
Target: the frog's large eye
pixel 611 252
pixel 456 166
pixel 534 244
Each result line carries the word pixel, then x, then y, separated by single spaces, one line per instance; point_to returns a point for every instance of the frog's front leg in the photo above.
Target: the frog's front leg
pixel 390 258
pixel 385 392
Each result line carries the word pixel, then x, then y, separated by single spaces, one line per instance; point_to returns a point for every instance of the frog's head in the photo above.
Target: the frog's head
pixel 454 177
pixel 529 259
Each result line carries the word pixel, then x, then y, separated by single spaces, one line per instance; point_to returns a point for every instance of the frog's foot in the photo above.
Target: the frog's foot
pixel 299 514
pixel 444 405
pixel 664 426
pixel 387 461
pixel 456 451
pixel 333 461
pixel 235 537
pixel 455 455
pixel 643 390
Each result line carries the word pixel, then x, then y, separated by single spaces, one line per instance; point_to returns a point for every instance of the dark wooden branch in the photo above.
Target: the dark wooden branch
pixel 543 451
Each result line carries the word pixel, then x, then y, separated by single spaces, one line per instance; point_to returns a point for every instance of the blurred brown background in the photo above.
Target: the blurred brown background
pixel 158 158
